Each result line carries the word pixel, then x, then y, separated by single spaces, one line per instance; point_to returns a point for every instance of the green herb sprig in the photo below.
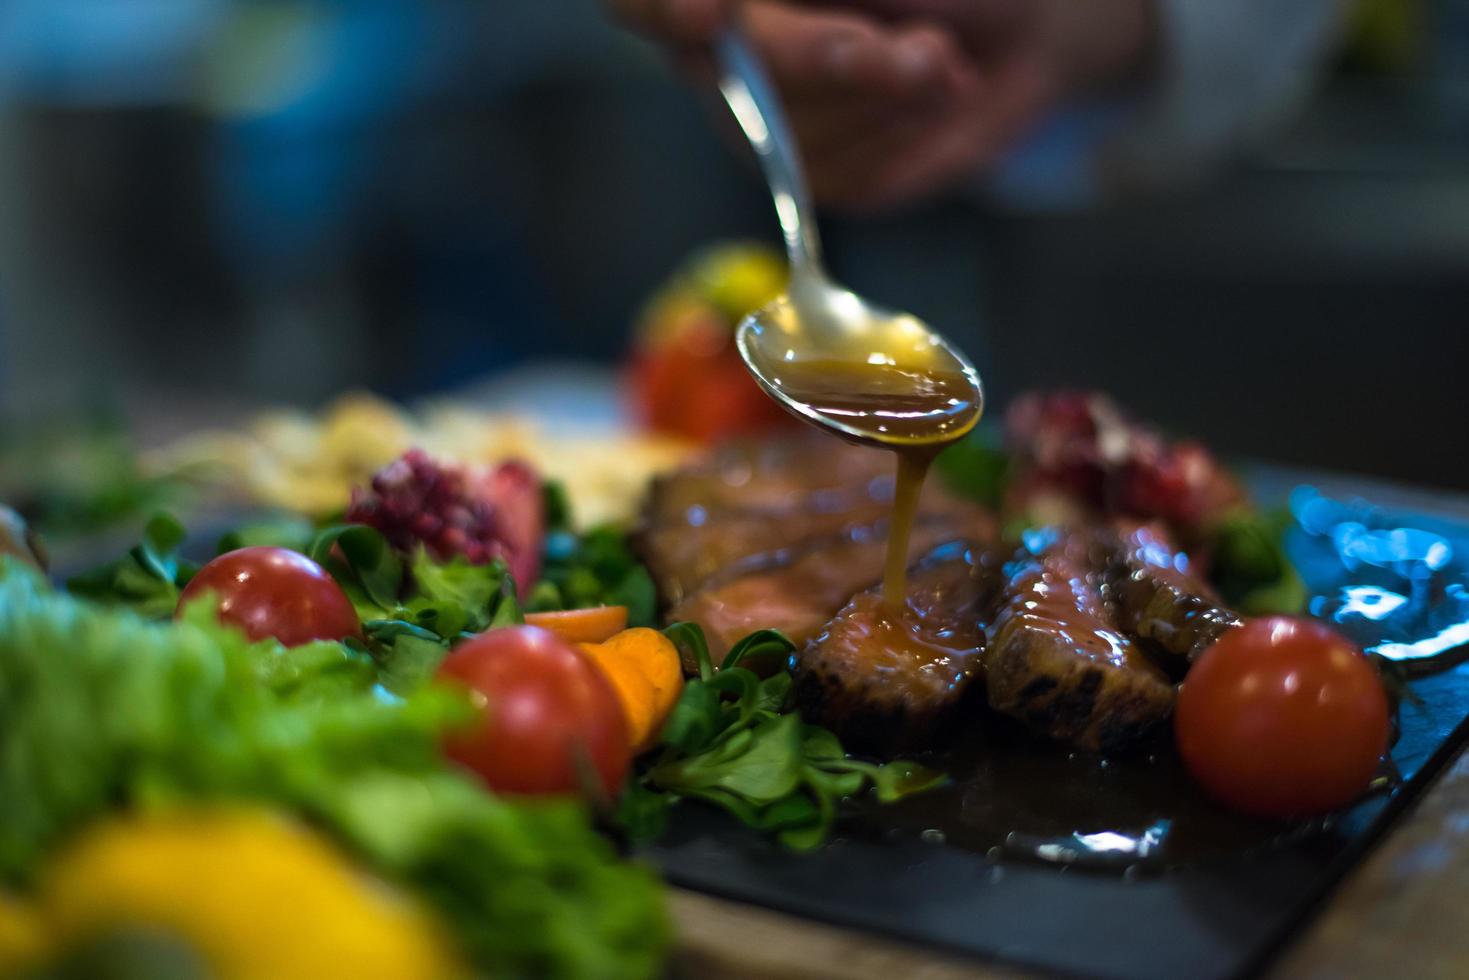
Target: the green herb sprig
pixel 148 578
pixel 733 741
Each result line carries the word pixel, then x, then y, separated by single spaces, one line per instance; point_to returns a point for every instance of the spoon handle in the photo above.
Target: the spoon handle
pixel 756 107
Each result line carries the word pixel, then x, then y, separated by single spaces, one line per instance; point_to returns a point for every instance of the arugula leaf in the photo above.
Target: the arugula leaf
pixel 894 780
pixel 837 785
pixel 148 578
pixel 454 597
pixel 692 647
pixel 407 655
pixel 642 813
pixel 788 813
pixel 761 764
pixel 821 745
pixel 775 692
pixel 158 551
pixel 696 718
pixel 744 687
pixel 891 781
pixel 759 644
pixel 975 467
pixel 362 562
pixel 810 836
pixel 456 581
pixel 731 742
pixel 287 531
pixel 596 569
pixel 1249 565
pixel 80 474
pixel 556 505
pixel 508 611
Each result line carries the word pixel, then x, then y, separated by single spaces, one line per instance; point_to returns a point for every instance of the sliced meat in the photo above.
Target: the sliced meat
pixel 1056 663
pixel 1158 599
pixel 800 597
pixel 809 474
pixel 750 509
pixel 889 684
pixel 683 558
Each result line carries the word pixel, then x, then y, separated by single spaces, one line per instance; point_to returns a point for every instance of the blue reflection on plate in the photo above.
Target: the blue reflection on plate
pixel 1398 585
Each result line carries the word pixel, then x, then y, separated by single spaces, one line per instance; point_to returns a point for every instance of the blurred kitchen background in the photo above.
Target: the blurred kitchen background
pixel 211 205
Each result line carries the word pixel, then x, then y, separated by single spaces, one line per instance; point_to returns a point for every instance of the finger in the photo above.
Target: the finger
pixel 982 128
pixel 853 141
pixel 852 177
pixel 831 121
pixel 964 15
pixel 675 21
pixel 829 126
pixel 807 49
pixel 810 52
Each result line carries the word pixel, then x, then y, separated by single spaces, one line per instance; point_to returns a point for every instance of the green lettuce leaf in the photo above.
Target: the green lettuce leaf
pixel 148 578
pixel 103 710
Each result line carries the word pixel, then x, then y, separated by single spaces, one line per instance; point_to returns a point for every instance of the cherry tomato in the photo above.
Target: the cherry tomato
pixel 551 717
pixel 275 592
pixel 1282 717
pixel 694 385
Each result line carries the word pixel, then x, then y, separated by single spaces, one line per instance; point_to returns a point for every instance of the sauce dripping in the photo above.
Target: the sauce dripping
pixel 913 410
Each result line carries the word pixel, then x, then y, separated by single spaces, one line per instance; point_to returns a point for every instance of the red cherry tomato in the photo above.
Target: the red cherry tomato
pixel 275 592
pixel 1282 717
pixel 550 716
pixel 695 386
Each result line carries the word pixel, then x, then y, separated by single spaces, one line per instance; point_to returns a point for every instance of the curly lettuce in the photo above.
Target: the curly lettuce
pixel 101 709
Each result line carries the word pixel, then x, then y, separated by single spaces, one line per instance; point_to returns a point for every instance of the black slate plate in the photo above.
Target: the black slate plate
pixel 1217 918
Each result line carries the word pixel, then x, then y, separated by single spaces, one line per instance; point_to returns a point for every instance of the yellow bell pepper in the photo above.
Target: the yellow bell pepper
pixel 22 936
pixel 257 897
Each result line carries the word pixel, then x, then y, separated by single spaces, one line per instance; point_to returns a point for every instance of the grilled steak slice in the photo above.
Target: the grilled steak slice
pixel 811 474
pixel 1055 662
pixel 684 558
pixel 889 684
pixel 799 598
pixel 748 509
pixel 1159 600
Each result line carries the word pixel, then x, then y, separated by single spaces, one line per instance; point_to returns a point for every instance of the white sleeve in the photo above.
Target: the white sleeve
pixel 1229 71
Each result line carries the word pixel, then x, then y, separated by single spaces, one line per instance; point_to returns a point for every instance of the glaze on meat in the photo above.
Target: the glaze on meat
pixel 1056 662
pixel 1160 600
pixel 889 684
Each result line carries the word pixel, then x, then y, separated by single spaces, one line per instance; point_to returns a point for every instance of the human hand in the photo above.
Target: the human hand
pixel 892 100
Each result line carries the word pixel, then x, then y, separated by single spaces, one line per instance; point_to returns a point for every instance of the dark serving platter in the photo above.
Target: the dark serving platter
pixel 1394 574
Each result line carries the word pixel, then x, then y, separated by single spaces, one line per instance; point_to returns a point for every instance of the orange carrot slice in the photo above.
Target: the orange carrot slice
pixel 593 625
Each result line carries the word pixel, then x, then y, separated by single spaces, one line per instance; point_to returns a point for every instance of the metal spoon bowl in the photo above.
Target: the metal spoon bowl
pixel 900 351
pixel 818 321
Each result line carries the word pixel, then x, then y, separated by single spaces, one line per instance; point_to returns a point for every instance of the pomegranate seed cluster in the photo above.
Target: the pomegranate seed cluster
pixel 415 499
pixel 1082 447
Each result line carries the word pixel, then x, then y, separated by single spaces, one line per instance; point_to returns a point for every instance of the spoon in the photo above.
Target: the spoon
pixel 869 374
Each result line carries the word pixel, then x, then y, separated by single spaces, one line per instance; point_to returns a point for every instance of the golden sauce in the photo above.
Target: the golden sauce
pixel 912 468
pixel 914 411
pixel 894 406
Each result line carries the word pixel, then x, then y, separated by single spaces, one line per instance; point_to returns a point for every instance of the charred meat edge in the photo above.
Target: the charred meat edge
pixel 1157 598
pixel 1055 663
pixel 888 700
